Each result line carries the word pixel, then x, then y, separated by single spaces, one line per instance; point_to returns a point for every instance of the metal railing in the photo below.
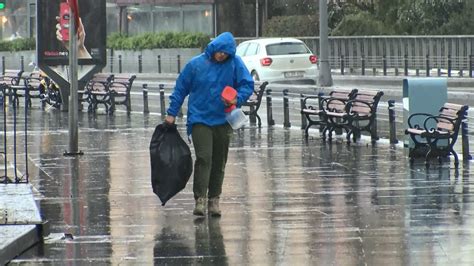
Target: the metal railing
pixel 13 146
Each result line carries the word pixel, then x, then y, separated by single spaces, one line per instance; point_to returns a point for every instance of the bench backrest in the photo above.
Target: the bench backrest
pixel 337 100
pixel 256 98
pixel 33 80
pixel 99 82
pixel 450 117
pixel 365 103
pixel 122 83
pixel 11 77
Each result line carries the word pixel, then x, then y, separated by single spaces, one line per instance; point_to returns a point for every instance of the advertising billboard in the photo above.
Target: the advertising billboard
pixel 53 32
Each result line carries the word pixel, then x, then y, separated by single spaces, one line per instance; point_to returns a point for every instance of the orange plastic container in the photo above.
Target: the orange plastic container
pixel 229 93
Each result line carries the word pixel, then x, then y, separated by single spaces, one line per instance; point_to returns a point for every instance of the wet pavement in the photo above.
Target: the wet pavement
pixel 285 201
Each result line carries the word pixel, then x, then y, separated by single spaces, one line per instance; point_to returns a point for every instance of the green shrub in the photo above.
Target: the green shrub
pixel 18 45
pixel 291 26
pixel 157 40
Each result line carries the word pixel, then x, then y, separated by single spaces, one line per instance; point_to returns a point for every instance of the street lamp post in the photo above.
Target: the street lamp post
pixel 325 78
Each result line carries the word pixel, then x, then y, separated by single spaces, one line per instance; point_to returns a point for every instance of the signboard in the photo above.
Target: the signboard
pixel 52 33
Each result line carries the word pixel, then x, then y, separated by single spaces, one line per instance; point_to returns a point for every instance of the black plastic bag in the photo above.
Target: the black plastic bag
pixel 171 162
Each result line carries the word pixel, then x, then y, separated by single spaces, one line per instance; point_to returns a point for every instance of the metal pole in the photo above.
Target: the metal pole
pixel 286 109
pixel 256 18
pixel 325 78
pixel 270 120
pixel 159 63
pixel 449 66
pixel 465 139
pixel 140 66
pixel 179 63
pixel 342 64
pixel 73 97
pixel 120 63
pixel 405 65
pixel 391 119
pixel 162 100
pixel 427 65
pixel 145 99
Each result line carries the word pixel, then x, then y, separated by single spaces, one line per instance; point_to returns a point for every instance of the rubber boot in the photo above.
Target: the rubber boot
pixel 200 208
pixel 213 207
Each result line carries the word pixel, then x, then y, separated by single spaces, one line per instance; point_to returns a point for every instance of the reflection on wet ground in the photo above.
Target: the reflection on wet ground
pixel 285 202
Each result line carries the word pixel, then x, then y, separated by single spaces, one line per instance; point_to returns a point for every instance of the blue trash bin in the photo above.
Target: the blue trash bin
pixel 423 95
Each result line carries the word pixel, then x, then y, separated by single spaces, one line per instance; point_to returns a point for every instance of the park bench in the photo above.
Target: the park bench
pixel 30 83
pixel 254 101
pixel 119 89
pixel 426 131
pixel 312 108
pixel 97 92
pixel 354 115
pixel 10 81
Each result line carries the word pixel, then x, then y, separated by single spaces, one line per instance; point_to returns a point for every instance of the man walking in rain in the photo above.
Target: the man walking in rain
pixel 203 80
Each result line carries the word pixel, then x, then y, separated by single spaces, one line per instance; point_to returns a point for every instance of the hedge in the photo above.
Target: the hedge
pixel 157 40
pixel 122 42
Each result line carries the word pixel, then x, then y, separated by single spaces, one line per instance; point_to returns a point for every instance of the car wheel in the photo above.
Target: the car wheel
pixel 255 76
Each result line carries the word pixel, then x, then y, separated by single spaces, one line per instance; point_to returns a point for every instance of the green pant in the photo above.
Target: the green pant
pixel 211 145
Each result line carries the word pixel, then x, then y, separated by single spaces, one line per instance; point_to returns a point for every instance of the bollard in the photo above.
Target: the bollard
pixel 450 63
pixel 162 100
pixel 427 65
pixel 374 71
pixel 286 109
pixel 304 123
pixel 270 120
pixel 112 103
pixel 439 72
pixel 159 63
pixel 145 98
pixel 363 65
pixel 140 64
pixel 120 63
pixel 405 65
pixel 342 64
pixel 22 63
pixel 470 65
pixel 384 65
pixel 179 64
pixel 391 120
pixel 417 72
pixel 396 71
pixel 3 65
pixel 111 64
pixel 465 139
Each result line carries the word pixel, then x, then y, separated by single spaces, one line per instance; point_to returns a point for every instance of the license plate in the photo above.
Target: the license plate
pixel 294 74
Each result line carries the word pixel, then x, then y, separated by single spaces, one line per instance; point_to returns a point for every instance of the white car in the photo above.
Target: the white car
pixel 279 60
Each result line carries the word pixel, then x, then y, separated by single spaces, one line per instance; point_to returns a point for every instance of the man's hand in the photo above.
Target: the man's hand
pixel 169 119
pixel 230 103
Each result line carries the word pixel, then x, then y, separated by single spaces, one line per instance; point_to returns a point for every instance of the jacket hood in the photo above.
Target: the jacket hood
pixel 225 42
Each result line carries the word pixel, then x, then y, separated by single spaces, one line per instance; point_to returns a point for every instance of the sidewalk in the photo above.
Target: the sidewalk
pixel 284 201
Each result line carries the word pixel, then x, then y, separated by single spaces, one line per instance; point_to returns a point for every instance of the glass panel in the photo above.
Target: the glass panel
pixel 167 19
pixel 287 48
pixel 139 21
pixel 252 50
pixel 198 19
pixel 241 49
pixel 112 19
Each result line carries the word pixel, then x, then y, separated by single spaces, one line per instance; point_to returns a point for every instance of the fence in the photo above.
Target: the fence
pixel 12 131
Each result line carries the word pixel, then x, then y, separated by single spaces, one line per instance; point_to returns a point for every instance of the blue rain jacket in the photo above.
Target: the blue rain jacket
pixel 204 79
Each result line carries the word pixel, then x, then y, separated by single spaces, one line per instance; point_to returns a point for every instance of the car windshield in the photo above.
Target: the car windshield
pixel 285 48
